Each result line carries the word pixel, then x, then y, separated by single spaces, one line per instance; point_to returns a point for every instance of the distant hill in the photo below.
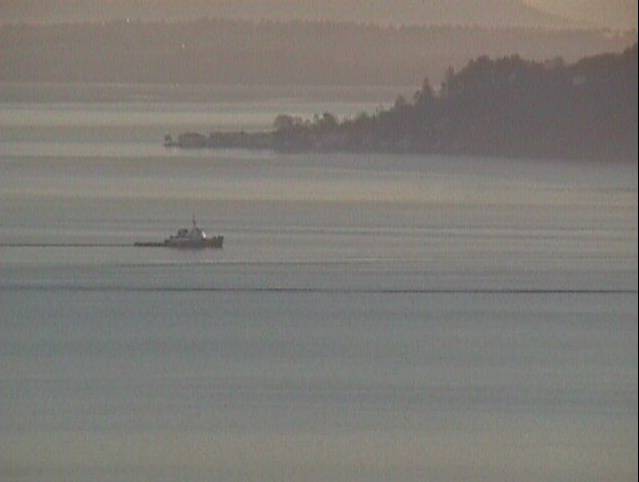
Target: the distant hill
pixel 400 12
pixel 244 52
pixel 487 13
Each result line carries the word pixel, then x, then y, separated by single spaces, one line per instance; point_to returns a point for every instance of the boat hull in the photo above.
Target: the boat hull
pixel 216 242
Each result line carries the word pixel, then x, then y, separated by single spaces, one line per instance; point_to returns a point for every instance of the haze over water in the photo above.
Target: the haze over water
pixel 370 318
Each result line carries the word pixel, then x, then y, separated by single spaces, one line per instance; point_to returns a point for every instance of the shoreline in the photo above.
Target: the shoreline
pixel 272 141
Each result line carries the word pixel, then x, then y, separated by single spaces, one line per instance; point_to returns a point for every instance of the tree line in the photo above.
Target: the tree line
pixel 496 107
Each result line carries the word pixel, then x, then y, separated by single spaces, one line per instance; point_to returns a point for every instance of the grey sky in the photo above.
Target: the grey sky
pixel 606 13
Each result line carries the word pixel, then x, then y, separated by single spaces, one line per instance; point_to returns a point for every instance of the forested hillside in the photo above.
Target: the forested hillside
pixel 503 107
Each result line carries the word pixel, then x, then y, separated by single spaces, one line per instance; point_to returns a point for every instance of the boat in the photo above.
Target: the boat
pixel 187 238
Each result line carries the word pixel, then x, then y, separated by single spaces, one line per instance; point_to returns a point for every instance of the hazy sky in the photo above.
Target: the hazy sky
pixel 608 13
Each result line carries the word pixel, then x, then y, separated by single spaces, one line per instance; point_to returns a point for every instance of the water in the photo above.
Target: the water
pixel 370 318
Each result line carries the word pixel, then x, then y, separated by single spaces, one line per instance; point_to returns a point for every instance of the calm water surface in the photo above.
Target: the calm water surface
pixel 370 318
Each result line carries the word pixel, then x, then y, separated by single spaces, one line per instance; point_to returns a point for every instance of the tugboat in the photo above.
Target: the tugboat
pixel 187 238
